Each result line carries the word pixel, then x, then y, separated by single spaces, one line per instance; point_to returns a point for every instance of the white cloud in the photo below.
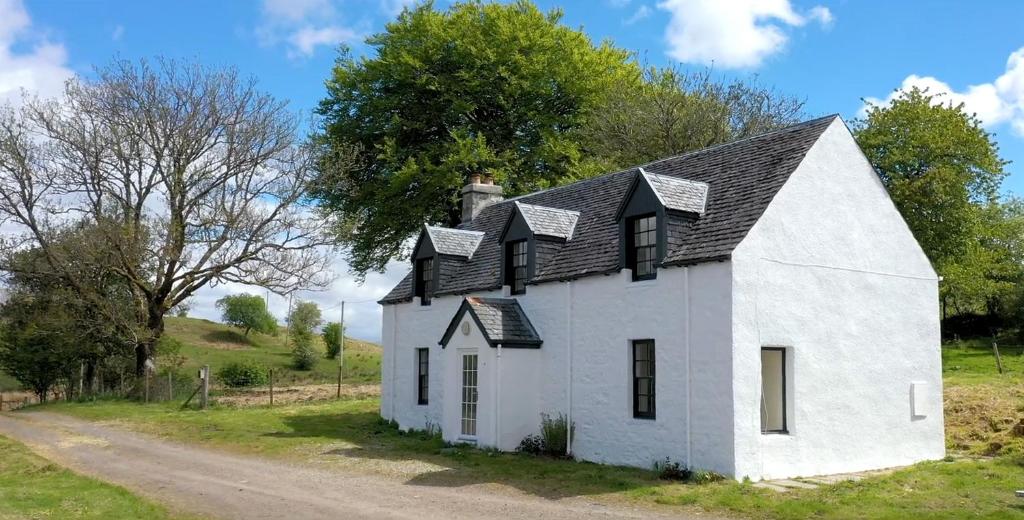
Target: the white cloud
pixel 117 33
pixel 302 26
pixel 642 12
pixel 305 40
pixel 27 59
pixel 1000 101
pixel 393 7
pixel 736 34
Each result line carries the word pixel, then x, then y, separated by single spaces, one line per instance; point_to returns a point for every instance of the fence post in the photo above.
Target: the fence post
pixel 1 401
pixel 146 377
pixel 206 387
pixel 170 385
pixel 999 360
pixel 271 387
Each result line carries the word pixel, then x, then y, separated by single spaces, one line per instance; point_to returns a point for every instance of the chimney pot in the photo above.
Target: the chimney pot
pixel 478 195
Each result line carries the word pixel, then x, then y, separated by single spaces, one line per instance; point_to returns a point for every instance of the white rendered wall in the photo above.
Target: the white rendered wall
pixel 606 313
pixel 832 273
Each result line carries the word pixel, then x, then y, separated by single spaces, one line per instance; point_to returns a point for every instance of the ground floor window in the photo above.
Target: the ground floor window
pixel 469 394
pixel 773 390
pixel 643 379
pixel 422 372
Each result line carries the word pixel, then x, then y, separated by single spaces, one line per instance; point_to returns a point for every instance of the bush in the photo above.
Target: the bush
pixel 531 444
pixel 669 470
pixel 554 434
pixel 303 354
pixel 242 374
pixel 332 339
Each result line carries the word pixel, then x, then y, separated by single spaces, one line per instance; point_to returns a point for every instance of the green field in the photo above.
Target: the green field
pixel 350 434
pixel 31 487
pixel 208 343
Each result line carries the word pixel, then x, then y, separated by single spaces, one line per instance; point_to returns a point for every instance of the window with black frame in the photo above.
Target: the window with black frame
pixel 643 247
pixel 516 271
pixel 643 379
pixel 425 280
pixel 422 371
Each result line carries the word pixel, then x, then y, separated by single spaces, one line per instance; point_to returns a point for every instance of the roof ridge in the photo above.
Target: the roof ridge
pixel 793 126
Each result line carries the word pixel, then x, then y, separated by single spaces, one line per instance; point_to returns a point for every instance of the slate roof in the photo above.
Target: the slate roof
pixel 455 242
pixel 551 222
pixel 678 194
pixel 501 320
pixel 742 178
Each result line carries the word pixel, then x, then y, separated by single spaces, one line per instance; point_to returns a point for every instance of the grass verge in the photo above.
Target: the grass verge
pixel 32 487
pixel 350 434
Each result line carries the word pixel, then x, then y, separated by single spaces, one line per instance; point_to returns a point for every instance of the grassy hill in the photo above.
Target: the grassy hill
pixel 208 343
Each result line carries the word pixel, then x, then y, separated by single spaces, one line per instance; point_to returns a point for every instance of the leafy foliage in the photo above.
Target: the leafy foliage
pixel 556 432
pixel 476 87
pixel 674 111
pixel 332 334
pixel 944 172
pixel 243 374
pixel 304 317
pixel 247 312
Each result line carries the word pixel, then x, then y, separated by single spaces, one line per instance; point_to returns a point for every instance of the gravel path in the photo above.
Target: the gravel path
pixel 224 485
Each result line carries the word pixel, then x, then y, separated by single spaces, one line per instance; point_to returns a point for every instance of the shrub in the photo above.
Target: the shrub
pixel 553 432
pixel 669 470
pixel 303 354
pixel 532 444
pixel 241 374
pixel 332 339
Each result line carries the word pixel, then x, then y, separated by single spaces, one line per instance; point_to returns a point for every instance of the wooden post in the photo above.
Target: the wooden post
pixel 1 401
pixel 170 385
pixel 81 379
pixel 271 387
pixel 146 377
pixel 999 360
pixel 204 399
pixel 341 348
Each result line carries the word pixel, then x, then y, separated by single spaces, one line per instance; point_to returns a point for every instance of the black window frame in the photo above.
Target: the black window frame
pixel 516 275
pixel 425 285
pixel 649 344
pixel 785 376
pixel 422 376
pixel 651 248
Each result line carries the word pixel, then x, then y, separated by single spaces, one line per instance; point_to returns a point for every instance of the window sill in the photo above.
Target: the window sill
pixel 776 433
pixel 637 284
pixel 645 419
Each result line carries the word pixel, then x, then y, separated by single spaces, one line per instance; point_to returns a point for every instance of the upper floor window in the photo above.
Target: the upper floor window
pixel 642 250
pixel 425 280
pixel 516 272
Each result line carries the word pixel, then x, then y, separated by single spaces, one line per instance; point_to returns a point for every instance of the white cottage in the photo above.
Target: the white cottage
pixel 758 308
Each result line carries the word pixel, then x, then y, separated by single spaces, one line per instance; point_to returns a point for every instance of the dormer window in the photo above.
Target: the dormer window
pixel 655 208
pixel 425 280
pixel 642 250
pixel 517 265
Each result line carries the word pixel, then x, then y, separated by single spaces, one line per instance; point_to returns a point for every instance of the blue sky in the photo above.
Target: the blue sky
pixel 832 53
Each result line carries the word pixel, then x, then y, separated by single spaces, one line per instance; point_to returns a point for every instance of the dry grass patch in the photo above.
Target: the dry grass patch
pixel 297 394
pixel 985 419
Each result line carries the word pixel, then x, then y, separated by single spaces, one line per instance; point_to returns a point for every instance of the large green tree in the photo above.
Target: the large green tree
pixel 676 111
pixel 447 93
pixel 944 173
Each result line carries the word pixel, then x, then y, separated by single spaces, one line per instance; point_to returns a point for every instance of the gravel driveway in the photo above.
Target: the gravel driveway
pixel 223 485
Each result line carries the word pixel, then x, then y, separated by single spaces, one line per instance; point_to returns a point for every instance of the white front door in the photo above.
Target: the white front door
pixel 469 394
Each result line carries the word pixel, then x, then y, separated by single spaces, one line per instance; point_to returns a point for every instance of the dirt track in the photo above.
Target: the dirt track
pixel 222 485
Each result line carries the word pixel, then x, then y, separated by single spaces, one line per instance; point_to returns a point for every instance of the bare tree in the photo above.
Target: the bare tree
pixel 193 176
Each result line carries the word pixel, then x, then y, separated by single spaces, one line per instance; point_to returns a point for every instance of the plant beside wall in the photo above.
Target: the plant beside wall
pixel 553 439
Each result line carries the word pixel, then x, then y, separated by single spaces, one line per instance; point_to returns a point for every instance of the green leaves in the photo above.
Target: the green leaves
pixel 943 171
pixel 247 312
pixel 448 93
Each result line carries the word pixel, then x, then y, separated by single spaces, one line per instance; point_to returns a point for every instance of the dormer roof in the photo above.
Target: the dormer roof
pixel 454 242
pixel 676 193
pixel 547 221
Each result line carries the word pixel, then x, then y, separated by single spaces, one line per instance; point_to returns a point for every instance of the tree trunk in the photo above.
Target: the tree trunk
pixel 144 349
